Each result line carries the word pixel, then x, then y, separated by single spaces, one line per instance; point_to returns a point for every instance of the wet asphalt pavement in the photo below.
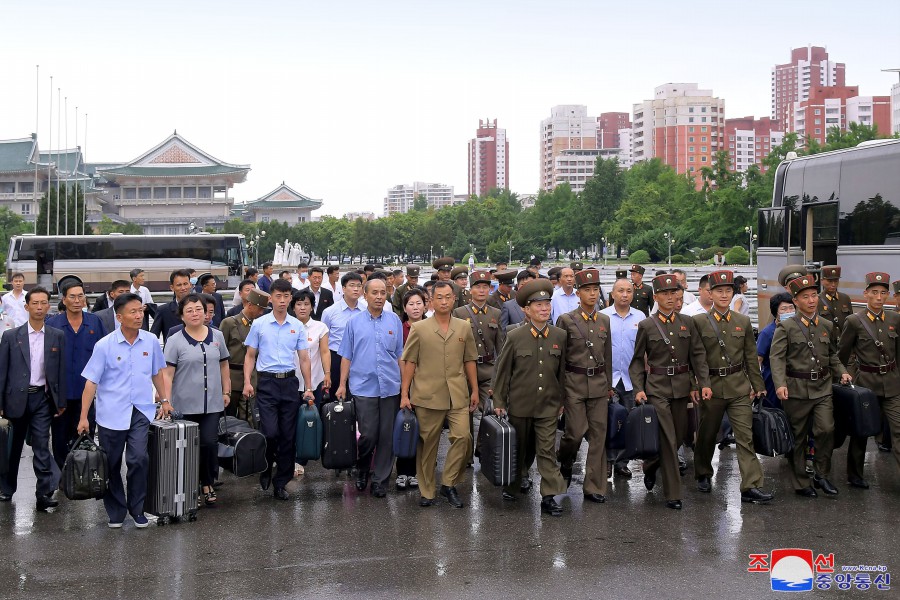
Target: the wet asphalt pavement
pixel 330 541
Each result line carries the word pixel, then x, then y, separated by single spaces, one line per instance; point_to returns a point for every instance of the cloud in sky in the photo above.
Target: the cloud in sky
pixel 343 100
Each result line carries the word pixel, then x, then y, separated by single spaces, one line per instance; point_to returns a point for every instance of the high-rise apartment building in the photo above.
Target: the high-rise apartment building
pixel 609 124
pixel 488 159
pixel 683 126
pixel 809 67
pixel 838 106
pixel 400 198
pixel 568 128
pixel 750 140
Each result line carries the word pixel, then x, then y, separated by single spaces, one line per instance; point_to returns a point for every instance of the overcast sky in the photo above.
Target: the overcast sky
pixel 343 100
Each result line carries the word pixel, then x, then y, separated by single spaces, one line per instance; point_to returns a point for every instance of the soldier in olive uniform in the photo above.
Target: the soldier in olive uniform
pixel 669 345
pixel 529 384
pixel 235 330
pixel 412 279
pixel 804 358
pixel 643 293
pixel 834 305
pixel 459 276
pixel 444 268
pixel 588 385
pixel 873 336
pixel 734 375
pixel 505 291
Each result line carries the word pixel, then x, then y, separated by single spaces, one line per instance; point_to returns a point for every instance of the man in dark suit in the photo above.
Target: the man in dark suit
pixel 511 313
pixel 324 297
pixel 106 300
pixel 167 315
pixel 32 391
pixel 108 315
pixel 243 293
pixel 207 283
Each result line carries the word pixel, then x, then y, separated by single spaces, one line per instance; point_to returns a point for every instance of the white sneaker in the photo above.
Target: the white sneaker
pixel 401 482
pixel 412 482
pixel 114 525
pixel 298 470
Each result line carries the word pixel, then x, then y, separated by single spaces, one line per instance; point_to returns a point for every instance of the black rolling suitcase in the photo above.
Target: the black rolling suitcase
pixel 772 434
pixel 857 409
pixel 242 449
pixel 497 448
pixel 174 470
pixel 642 432
pixel 339 433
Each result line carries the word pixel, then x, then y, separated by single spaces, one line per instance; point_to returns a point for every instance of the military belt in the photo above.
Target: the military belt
pixel 485 359
pixel 880 369
pixel 589 371
pixel 726 371
pixel 810 375
pixel 670 370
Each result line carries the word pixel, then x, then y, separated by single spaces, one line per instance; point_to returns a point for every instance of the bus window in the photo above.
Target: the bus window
pixel 821 224
pixel 821 179
pixel 792 189
pixel 771 227
pixel 870 199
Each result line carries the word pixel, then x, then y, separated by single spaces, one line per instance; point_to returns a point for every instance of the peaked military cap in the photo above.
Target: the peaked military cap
pixel 539 289
pixel 412 270
pixel 790 272
pixel 577 266
pixel 637 269
pixel 506 276
pixel 259 298
pixel 621 273
pixel 457 271
pixel 444 264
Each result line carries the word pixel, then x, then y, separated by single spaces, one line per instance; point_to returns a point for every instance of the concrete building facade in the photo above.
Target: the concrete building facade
pixel 568 128
pixel 488 159
pixel 750 140
pixel 400 198
pixel 810 67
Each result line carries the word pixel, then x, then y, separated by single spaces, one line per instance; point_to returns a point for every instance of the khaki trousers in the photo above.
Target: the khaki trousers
pixel 586 416
pixel 740 413
pixel 431 424
pixel 798 412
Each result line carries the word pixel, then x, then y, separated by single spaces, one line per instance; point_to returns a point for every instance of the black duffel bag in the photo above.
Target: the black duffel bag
pixel 85 473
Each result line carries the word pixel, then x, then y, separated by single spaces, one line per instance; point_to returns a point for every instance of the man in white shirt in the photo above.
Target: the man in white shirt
pixel 137 287
pixel 564 297
pixel 681 276
pixel 14 301
pixel 704 301
pixel 300 279
pixel 623 326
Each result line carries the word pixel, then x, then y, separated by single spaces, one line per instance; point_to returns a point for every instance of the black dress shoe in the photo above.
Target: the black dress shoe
pixel 673 504
pixel 5 497
pixel 45 502
pixel 265 479
pixel 858 482
pixel 550 506
pixel 281 494
pixel 704 485
pixel 509 497
pixel 526 485
pixel 423 501
pixel 623 472
pixel 806 492
pixel 378 490
pixel 826 486
pixel 756 496
pixel 728 440
pixel 565 471
pixel 362 480
pixel 649 480
pixel 452 496
pixel 598 498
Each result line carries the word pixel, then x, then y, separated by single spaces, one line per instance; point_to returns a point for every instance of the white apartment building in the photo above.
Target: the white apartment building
pixel 400 198
pixel 568 128
pixel 575 167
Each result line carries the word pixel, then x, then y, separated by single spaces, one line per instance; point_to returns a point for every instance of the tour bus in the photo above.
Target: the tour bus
pixel 840 207
pixel 101 259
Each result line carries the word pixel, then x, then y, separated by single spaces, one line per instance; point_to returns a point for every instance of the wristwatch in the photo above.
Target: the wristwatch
pixel 163 401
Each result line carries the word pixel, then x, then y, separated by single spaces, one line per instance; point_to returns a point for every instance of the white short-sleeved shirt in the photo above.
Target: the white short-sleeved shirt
pixel 14 308
pixel 315 331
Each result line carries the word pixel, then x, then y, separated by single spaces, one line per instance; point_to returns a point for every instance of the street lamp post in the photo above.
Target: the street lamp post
pixel 671 241
pixel 603 250
pixel 510 245
pixel 751 238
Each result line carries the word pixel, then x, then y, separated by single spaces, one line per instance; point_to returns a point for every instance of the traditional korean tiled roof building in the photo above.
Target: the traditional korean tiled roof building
pixel 282 204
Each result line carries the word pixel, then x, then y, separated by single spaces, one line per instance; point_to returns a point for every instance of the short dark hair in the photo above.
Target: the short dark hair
pixel 251 271
pixel 661 272
pixel 134 273
pixel 281 285
pixel 244 284
pixel 119 283
pixel 266 264
pixel 122 300
pixel 283 273
pixel 303 265
pixel 316 270
pixel 369 268
pixel 332 268
pixel 776 300
pixel 679 272
pixel 440 284
pixel 396 272
pixel 703 281
pixel 205 278
pixel 304 294
pixel 348 277
pixel 36 290
pixel 17 274
pixel 179 273
pixel 524 274
pixel 210 299
pixel 428 286
pixel 378 275
pixel 190 299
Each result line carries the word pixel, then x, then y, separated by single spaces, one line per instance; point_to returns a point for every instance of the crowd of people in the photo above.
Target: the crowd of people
pixel 520 344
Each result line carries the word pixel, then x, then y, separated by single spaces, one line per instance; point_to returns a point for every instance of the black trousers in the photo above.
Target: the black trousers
pixel 336 372
pixel 35 421
pixel 279 405
pixel 208 424
pixel 133 444
pixel 64 429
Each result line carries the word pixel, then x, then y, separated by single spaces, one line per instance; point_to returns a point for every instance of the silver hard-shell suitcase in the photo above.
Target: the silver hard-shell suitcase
pixel 174 448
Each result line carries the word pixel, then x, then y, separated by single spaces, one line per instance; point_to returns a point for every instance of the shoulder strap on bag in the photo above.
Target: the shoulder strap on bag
pixel 864 319
pixel 668 342
pixel 588 343
pixel 476 327
pixel 809 344
pixel 715 326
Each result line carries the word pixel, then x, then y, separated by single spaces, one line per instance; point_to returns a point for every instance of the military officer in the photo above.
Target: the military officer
pixel 834 305
pixel 804 358
pixel 643 293
pixel 553 276
pixel 896 288
pixel 505 291
pixel 873 336
pixel 576 266
pixel 444 268
pixel 668 343
pixel 588 385
pixel 235 330
pixel 727 337
pixel 529 384
pixel 459 276
pixel 412 279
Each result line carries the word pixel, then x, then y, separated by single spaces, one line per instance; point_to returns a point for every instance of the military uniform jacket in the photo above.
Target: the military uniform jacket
pixel 496 299
pixel 579 354
pixel 856 340
pixel 737 335
pixel 685 339
pixel 531 370
pixel 835 308
pixel 643 298
pixel 790 352
pixel 489 336
pixel 397 298
pixel 235 330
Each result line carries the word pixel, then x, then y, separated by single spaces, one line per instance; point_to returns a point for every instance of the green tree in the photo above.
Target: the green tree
pixel 107 226
pixel 420 204
pixel 62 213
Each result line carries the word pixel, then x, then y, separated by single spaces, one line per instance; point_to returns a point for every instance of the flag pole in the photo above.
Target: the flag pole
pixel 66 210
pixel 58 142
pixel 49 153
pixel 37 119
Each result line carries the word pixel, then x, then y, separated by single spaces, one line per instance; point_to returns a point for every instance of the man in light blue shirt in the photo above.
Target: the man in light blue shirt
pixel 564 297
pixel 370 361
pixel 274 341
pixel 623 326
pixel 122 372
pixel 335 317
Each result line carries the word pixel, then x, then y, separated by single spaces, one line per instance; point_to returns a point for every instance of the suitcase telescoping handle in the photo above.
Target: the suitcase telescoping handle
pixel 489 407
